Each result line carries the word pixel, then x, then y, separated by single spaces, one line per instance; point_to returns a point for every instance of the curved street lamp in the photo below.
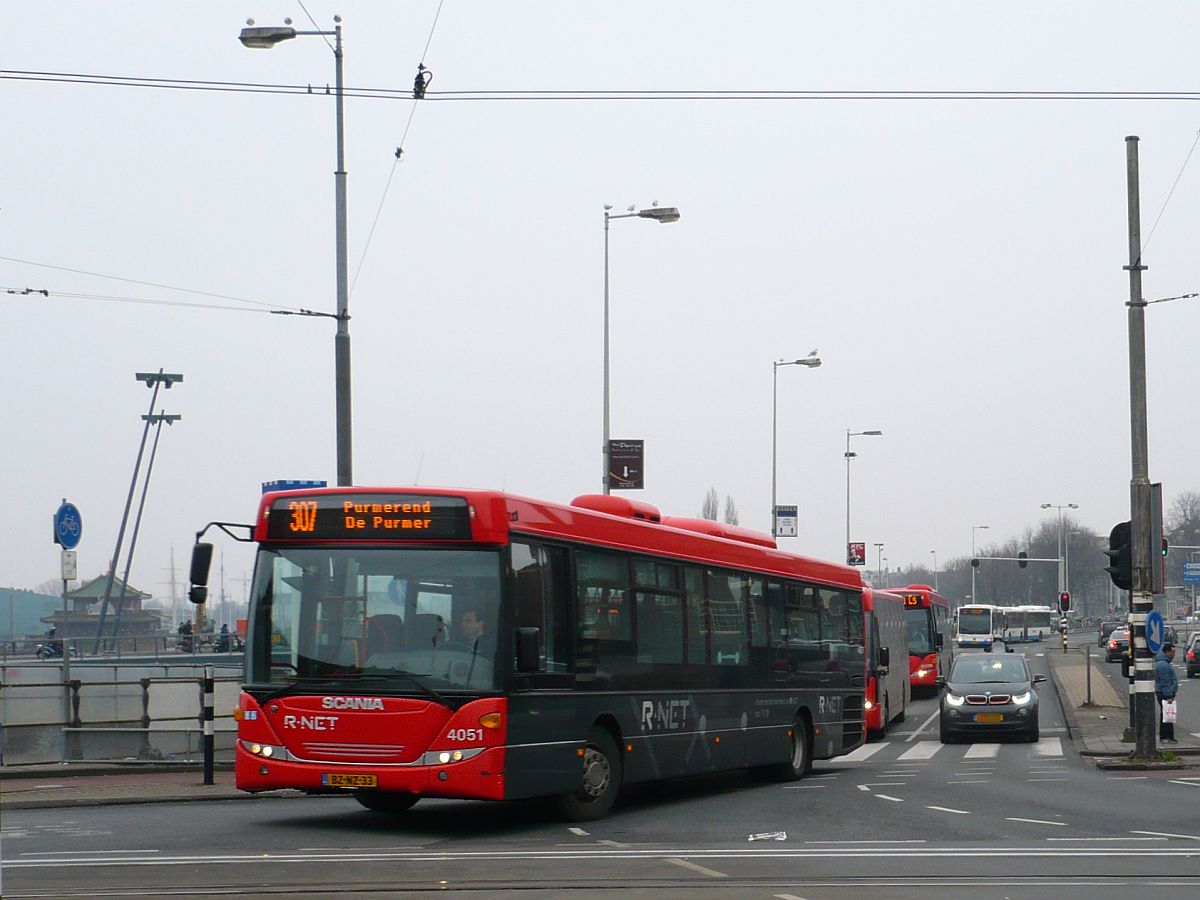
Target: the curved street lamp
pixel 849 456
pixel 662 215
pixel 811 361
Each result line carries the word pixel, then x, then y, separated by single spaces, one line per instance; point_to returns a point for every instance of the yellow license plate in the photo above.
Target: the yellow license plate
pixel 341 779
pixel 989 717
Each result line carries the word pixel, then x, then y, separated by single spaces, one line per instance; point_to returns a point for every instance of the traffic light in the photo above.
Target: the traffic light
pixel 975 563
pixel 1121 553
pixel 1022 559
pixel 1064 602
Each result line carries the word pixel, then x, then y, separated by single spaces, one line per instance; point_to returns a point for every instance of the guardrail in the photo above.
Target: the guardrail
pixel 152 645
pixel 113 713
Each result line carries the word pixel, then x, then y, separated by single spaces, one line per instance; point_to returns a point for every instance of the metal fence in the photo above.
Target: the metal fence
pixel 141 712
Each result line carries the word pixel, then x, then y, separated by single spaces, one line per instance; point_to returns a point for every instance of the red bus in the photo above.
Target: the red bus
pixel 887 688
pixel 929 637
pixel 415 642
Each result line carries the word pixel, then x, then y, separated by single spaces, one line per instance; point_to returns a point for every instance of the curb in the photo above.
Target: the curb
pixel 67 770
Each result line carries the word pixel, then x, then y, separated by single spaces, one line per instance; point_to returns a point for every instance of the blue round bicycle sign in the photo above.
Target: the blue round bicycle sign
pixel 68 526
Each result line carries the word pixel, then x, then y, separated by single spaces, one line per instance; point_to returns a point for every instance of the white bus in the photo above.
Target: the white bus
pixel 1027 623
pixel 979 625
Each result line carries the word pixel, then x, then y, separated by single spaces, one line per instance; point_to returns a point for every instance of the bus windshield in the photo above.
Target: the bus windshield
pixel 917 618
pixel 974 621
pixel 423 618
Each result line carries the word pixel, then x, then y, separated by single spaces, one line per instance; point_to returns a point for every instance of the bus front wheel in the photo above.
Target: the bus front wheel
pixel 386 802
pixel 600 779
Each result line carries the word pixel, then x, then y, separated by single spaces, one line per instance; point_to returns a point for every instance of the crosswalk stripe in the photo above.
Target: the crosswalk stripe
pixel 981 751
pixel 866 751
pixel 922 750
pixel 1051 746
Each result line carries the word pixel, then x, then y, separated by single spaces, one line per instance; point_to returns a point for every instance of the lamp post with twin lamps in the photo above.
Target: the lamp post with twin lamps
pixel 849 456
pixel 812 361
pixel 662 215
pixel 264 38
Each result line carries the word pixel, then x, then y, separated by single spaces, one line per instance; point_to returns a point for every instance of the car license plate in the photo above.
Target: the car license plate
pixel 989 717
pixel 342 779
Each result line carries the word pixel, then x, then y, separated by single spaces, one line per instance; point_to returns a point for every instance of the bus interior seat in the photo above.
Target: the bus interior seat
pixel 385 633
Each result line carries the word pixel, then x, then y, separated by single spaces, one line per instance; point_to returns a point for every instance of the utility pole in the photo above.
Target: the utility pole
pixel 1141 597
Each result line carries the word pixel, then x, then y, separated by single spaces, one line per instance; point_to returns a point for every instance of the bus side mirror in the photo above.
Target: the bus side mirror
pixel 885 657
pixel 1008 649
pixel 201 560
pixel 939 641
pixel 528 654
pixel 1038 679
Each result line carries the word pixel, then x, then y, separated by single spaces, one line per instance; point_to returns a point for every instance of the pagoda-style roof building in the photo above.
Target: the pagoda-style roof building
pixel 85 602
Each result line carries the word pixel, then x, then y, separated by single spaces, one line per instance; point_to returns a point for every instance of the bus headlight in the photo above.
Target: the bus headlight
pixel 265 751
pixel 954 699
pixel 1023 699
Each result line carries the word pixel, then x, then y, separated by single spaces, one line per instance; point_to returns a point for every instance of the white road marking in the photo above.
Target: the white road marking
pixel 981 751
pixel 617 844
pixel 1108 839
pixel 1049 747
pixel 906 841
pixel 912 737
pixel 578 831
pixel 960 812
pixel 984 781
pixel 1166 834
pixel 711 873
pixel 893 799
pixel 923 750
pixel 1033 821
pixel 787 897
pixel 805 787
pixel 1033 780
pixel 1181 781
pixel 866 751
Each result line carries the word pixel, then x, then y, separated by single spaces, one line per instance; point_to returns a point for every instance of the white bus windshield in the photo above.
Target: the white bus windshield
pixel 974 621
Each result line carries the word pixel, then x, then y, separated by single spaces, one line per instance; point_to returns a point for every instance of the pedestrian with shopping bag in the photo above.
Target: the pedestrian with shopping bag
pixel 1166 685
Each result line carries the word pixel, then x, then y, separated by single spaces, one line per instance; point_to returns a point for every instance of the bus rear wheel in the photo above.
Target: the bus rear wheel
pixel 600 780
pixel 386 801
pixel 801 761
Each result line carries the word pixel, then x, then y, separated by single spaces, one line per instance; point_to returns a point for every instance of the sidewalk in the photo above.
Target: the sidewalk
pixel 51 786
pixel 1097 728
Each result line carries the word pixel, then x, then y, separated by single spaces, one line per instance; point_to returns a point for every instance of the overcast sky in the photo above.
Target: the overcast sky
pixel 957 263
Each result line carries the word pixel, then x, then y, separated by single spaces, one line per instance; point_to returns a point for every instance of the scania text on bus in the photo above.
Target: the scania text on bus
pixel 413 642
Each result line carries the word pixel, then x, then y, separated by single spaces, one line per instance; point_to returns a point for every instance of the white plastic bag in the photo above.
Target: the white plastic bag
pixel 1168 710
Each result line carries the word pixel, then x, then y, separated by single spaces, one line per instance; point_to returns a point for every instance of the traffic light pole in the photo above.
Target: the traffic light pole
pixel 1141 597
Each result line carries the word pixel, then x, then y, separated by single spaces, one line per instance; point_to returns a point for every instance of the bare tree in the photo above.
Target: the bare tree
pixel 731 513
pixel 712 505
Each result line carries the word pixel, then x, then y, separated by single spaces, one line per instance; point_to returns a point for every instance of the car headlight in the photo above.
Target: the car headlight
pixel 1023 699
pixel 954 699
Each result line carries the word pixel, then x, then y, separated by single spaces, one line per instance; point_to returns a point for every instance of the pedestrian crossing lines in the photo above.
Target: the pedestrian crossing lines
pixel 923 751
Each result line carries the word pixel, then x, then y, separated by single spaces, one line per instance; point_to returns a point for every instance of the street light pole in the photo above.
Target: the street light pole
pixel 662 215
pixel 935 569
pixel 812 361
pixel 879 561
pixel 974 528
pixel 264 38
pixel 1060 507
pixel 849 456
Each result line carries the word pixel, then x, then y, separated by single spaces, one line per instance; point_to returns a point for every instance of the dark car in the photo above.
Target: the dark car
pixel 1107 626
pixel 989 694
pixel 1192 655
pixel 1117 645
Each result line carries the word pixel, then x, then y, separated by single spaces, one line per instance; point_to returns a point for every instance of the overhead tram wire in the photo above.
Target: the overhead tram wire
pixel 528 95
pixel 151 301
pixel 1170 194
pixel 421 82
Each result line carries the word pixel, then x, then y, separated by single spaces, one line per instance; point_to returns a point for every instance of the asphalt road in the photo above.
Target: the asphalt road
pixel 902 817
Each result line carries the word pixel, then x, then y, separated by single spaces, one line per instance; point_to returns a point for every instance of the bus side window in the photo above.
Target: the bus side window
pixel 696 620
pixel 538 578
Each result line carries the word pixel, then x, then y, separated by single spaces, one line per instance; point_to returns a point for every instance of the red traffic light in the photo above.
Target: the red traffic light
pixel 1064 601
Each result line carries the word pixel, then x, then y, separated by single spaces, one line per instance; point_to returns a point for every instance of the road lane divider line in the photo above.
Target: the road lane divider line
pixel 887 797
pixel 981 751
pixel 958 812
pixel 805 787
pixel 1033 821
pixel 711 873
pixel 1181 781
pixel 578 831
pixel 912 737
pixel 982 781
pixel 1167 834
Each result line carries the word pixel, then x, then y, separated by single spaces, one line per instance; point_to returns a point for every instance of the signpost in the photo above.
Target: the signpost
pixel 626 470
pixel 1155 630
pixel 787 521
pixel 68 530
pixel 1191 573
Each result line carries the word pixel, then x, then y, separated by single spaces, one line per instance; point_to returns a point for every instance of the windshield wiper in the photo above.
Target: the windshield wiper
pixel 299 686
